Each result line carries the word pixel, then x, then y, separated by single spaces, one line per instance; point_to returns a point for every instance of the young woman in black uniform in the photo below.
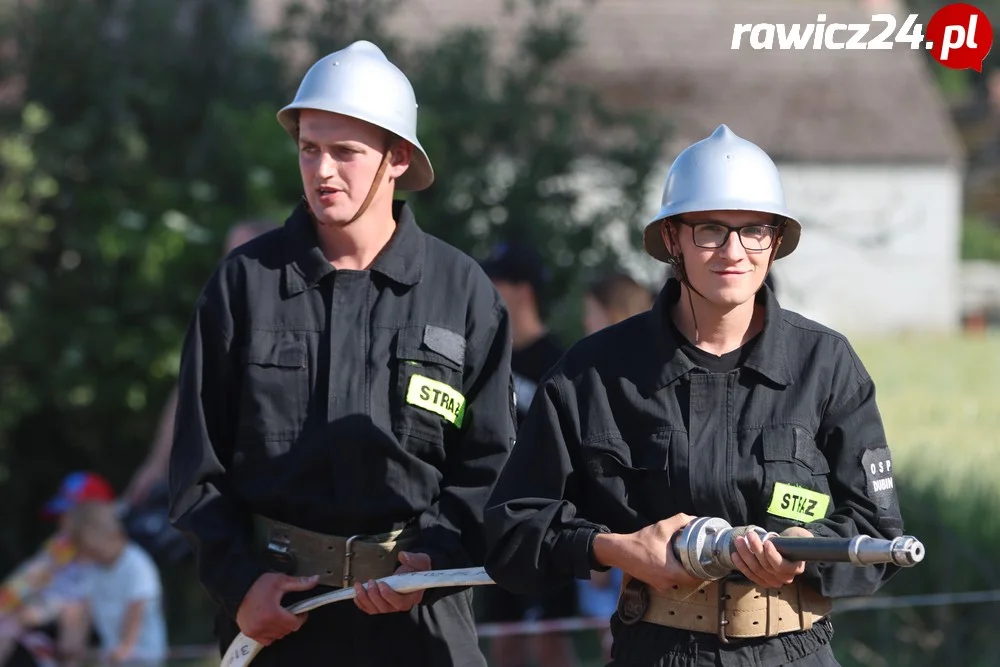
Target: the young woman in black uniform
pixel 715 403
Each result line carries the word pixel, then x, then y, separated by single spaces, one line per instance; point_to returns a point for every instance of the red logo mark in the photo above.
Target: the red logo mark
pixel 959 36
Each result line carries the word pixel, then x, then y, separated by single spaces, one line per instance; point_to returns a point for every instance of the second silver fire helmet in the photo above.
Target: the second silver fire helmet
pixel 719 173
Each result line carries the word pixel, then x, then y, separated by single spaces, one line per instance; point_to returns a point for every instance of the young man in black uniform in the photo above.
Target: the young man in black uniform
pixel 520 276
pixel 345 398
pixel 715 403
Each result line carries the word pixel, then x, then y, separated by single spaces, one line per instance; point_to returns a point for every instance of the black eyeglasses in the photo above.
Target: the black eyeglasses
pixel 716 234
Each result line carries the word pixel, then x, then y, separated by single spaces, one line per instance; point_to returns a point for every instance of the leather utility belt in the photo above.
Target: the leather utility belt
pixel 727 608
pixel 338 561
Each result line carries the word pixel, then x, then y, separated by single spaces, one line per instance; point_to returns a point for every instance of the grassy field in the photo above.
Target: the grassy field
pixel 940 400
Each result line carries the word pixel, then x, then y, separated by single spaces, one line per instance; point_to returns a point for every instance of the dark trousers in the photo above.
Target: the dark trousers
pixel 822 658
pixel 647 645
pixel 442 634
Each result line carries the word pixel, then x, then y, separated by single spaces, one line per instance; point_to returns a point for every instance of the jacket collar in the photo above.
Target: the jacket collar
pixel 401 260
pixel 768 357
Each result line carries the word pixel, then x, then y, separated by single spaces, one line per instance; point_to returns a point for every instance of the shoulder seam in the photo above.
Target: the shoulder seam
pixel 860 373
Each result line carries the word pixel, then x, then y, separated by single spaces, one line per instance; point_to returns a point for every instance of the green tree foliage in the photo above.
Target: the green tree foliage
pixel 157 134
pixel 24 232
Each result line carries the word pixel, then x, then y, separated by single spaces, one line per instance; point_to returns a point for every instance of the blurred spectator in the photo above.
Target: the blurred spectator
pixel 521 278
pixel 611 299
pixel 608 300
pixel 123 597
pixel 146 494
pixel 39 599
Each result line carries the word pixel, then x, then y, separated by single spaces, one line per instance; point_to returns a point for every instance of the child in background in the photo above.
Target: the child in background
pixel 124 596
pixel 39 600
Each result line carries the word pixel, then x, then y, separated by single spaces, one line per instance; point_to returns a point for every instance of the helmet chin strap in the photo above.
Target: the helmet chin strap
pixel 677 261
pixel 383 165
pixel 669 234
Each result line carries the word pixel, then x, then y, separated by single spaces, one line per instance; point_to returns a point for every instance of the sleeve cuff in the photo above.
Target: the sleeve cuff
pixel 594 565
pixel 581 545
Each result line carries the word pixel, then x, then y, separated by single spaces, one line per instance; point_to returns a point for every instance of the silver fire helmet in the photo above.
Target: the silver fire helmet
pixel 723 172
pixel 360 82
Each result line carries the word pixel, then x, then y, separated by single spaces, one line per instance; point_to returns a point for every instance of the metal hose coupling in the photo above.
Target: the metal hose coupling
pixel 706 546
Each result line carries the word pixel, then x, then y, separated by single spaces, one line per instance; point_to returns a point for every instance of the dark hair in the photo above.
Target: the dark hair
pixel 520 263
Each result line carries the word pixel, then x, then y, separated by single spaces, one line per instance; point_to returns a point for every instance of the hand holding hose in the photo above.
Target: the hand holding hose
pixel 761 563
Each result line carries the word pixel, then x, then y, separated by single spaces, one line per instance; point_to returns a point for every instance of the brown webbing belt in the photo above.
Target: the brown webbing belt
pixel 731 609
pixel 338 561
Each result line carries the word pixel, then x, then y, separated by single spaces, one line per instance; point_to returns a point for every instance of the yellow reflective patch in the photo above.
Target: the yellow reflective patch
pixel 794 502
pixel 437 397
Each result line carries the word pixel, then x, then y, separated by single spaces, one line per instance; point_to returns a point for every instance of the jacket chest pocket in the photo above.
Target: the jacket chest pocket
pixel 275 386
pixel 638 473
pixel 795 488
pixel 427 400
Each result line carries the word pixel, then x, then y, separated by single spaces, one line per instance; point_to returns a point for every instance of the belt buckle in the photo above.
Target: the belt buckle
pixel 280 552
pixel 348 554
pixel 633 602
pixel 723 621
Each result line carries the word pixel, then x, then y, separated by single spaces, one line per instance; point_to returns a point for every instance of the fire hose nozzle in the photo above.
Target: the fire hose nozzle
pixel 706 546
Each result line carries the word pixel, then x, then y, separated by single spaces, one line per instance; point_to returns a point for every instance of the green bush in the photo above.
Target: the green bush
pixel 980 239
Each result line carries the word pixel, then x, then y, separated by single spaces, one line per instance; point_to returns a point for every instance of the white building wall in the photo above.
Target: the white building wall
pixel 880 247
pixel 879 253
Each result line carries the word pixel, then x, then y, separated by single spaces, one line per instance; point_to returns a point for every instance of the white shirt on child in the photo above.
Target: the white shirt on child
pixel 134 576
